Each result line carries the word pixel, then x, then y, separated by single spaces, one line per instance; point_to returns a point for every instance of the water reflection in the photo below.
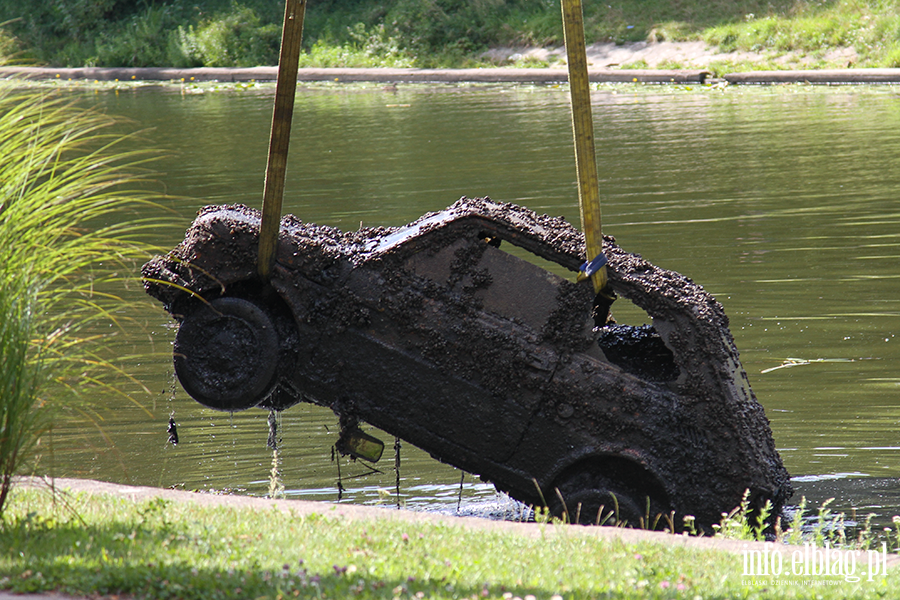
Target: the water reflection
pixel 780 201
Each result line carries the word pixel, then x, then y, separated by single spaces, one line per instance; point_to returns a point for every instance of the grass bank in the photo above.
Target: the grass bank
pixel 158 548
pixel 438 33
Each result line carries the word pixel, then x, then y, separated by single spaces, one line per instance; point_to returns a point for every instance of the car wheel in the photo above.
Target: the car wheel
pixel 226 354
pixel 609 491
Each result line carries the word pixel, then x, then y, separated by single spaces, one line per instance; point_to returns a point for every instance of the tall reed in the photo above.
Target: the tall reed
pixel 68 196
pixel 20 377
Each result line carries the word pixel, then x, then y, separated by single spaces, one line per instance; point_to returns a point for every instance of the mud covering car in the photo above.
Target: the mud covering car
pixel 433 333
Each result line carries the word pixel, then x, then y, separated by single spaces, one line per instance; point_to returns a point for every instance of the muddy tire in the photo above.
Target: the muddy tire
pixel 609 491
pixel 226 354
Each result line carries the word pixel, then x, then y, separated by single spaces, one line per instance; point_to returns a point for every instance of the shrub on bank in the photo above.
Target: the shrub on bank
pixel 428 33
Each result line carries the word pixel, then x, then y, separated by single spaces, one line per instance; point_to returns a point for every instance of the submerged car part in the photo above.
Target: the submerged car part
pixel 434 334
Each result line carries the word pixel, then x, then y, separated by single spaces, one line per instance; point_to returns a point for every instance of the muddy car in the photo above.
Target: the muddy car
pixel 433 333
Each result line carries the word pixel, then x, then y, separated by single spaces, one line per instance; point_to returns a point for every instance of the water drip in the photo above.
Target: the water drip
pixel 397 468
pixel 273 441
pixel 276 484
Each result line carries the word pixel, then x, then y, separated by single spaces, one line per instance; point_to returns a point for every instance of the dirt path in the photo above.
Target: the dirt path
pixel 688 55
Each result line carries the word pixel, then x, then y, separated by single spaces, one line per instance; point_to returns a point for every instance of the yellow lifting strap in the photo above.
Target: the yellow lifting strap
pixel 585 157
pixel 285 90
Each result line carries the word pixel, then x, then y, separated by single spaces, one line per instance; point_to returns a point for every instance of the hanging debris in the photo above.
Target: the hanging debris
pixel 172 430
pixel 335 458
pixel 358 444
pixel 272 421
pixel 433 333
pixel 397 469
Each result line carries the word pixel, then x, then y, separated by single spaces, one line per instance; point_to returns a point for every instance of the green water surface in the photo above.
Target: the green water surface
pixel 781 201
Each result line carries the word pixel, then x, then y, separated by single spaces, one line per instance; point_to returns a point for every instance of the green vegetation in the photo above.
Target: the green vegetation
pixel 823 528
pixel 64 194
pixel 20 422
pixel 163 549
pixel 871 28
pixel 426 33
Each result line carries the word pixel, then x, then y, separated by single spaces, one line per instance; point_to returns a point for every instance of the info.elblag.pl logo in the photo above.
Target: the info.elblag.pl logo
pixel 811 565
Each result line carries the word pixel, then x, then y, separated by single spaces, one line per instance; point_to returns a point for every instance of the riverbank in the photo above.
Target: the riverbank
pixel 360 514
pixel 100 540
pixel 549 75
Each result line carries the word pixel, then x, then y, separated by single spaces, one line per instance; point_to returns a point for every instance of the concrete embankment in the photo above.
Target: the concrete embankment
pixel 488 75
pixel 823 77
pixel 385 75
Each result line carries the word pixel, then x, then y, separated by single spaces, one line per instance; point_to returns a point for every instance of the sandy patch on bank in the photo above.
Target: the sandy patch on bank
pixel 668 54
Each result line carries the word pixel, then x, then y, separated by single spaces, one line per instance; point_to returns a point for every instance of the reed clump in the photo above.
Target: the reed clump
pixel 68 232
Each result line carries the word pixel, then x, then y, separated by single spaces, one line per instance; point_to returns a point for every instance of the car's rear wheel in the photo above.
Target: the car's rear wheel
pixel 609 490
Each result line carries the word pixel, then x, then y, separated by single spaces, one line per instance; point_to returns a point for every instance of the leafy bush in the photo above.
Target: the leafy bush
pixel 140 41
pixel 237 38
pixel 368 48
pixel 9 45
pixel 439 26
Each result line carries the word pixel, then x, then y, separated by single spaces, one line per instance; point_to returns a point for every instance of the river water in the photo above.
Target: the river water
pixel 781 201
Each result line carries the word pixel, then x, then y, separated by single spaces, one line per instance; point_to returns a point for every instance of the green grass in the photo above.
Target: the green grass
pixel 433 33
pixel 871 28
pixel 88 544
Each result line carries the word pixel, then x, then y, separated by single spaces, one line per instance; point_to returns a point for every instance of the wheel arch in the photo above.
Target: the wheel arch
pixel 625 475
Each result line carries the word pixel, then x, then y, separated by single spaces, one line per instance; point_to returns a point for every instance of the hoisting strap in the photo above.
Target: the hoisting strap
pixel 592 266
pixel 583 129
pixel 285 90
pixel 595 270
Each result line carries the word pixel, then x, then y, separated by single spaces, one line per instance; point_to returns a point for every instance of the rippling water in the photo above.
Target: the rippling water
pixel 781 201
